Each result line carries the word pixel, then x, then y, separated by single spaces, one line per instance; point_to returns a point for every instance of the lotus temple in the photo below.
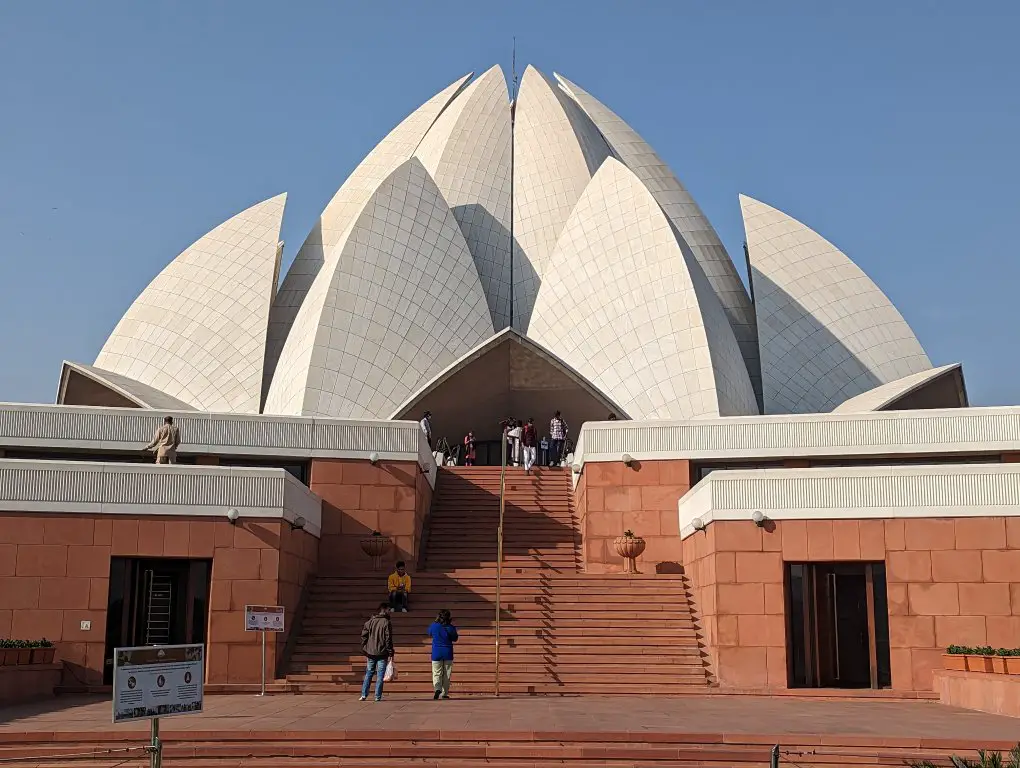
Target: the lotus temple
pixel 813 503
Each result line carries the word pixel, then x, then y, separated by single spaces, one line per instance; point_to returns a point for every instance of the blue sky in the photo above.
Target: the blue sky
pixel 130 129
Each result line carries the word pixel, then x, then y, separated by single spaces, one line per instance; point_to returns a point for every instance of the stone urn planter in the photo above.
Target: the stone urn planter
pixel 629 547
pixel 375 546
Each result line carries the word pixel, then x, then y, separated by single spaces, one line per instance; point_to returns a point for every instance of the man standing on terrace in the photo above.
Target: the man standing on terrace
pixel 166 441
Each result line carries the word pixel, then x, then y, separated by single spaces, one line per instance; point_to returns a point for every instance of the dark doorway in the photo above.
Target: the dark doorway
pixel 155 601
pixel 837 625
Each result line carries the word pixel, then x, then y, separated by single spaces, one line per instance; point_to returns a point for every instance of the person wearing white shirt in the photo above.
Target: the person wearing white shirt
pixel 426 427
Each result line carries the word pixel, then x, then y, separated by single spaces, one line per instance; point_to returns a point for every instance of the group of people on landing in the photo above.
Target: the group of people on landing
pixel 377 640
pixel 522 442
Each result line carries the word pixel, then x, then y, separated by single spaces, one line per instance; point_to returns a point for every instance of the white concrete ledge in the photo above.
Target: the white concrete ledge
pixel 849 493
pixel 101 488
pixel 85 428
pixel 887 433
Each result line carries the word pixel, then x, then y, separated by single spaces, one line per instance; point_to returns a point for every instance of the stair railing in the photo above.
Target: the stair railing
pixel 499 551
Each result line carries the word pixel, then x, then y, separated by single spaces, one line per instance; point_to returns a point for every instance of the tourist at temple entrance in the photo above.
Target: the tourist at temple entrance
pixel 612 417
pixel 514 436
pixel 557 433
pixel 399 587
pixel 377 647
pixel 444 635
pixel 426 427
pixel 166 441
pixel 469 449
pixel 529 443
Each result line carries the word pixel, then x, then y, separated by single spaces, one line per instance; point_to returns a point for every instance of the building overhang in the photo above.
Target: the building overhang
pixel 100 488
pixel 942 387
pixel 851 493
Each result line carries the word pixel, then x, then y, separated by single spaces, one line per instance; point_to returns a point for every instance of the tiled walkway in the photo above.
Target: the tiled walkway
pixel 689 714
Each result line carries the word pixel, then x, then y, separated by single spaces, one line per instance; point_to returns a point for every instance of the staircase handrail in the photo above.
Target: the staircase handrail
pixel 499 551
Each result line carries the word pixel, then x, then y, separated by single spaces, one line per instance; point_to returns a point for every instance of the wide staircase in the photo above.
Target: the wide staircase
pixel 561 631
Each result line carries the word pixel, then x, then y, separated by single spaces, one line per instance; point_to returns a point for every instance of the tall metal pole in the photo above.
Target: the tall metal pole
pixel 499 549
pixel 263 693
pixel 513 121
pixel 155 745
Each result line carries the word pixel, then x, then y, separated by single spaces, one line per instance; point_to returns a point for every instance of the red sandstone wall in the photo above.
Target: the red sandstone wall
pixel 612 497
pixel 949 581
pixel 392 497
pixel 54 573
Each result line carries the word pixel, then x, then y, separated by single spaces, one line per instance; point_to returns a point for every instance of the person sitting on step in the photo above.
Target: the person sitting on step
pixel 399 587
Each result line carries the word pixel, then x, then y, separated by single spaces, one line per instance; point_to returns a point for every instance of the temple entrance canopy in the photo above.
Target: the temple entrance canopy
pixel 508 375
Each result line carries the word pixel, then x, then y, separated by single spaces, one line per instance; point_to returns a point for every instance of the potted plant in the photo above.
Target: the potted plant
pixel 43 652
pixel 954 658
pixel 24 652
pixel 375 546
pixel 8 653
pixel 629 547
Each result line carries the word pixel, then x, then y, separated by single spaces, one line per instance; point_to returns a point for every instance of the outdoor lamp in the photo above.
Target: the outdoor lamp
pixel 628 459
pixel 698 523
pixel 576 468
pixel 232 515
pixel 297 524
pixel 758 518
pixel 373 457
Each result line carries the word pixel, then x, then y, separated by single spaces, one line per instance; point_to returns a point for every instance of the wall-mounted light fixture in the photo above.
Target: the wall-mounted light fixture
pixel 698 523
pixel 628 459
pixel 759 518
pixel 233 515
pixel 297 524
pixel 373 457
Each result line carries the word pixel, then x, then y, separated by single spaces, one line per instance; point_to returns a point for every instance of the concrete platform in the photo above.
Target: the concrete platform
pixel 718 730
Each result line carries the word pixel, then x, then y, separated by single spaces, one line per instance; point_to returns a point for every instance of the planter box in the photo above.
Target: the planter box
pixel 8 657
pixel 980 663
pixel 955 661
pixel 43 655
pixel 1012 664
pixel 24 656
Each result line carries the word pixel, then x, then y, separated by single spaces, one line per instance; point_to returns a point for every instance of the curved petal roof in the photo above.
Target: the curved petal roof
pixel 887 396
pixel 198 331
pixel 140 395
pixel 624 306
pixel 683 211
pixel 467 152
pixel 340 212
pixel 557 151
pixel 397 303
pixel 826 332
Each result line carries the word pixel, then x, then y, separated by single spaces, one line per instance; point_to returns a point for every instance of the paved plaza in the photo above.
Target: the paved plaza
pixel 713 718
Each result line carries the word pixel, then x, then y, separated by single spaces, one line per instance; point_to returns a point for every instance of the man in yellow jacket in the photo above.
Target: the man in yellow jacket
pixel 399 587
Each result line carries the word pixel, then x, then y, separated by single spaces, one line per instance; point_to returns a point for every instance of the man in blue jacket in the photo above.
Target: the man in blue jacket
pixel 443 635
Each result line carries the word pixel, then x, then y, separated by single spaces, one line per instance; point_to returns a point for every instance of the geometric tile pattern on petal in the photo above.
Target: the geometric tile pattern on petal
pixel 624 306
pixel 346 204
pixel 557 151
pixel 683 210
pixel 826 332
pixel 198 330
pixel 467 152
pixel 399 302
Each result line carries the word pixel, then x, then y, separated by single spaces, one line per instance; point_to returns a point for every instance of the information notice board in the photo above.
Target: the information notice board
pixel 263 618
pixel 157 681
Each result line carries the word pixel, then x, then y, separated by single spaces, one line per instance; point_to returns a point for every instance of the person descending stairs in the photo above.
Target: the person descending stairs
pixel 561 631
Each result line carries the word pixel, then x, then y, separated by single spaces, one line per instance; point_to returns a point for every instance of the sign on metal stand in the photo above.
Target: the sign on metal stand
pixel 263 618
pixel 150 682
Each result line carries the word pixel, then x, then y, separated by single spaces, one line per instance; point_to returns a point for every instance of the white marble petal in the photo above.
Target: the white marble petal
pixel 198 331
pixel 885 395
pixel 682 209
pixel 623 305
pixel 396 148
pixel 467 152
pixel 140 394
pixel 826 332
pixel 557 151
pixel 398 302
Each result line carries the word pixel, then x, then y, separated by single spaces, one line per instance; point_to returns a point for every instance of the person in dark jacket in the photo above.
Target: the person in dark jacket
pixel 443 635
pixel 377 646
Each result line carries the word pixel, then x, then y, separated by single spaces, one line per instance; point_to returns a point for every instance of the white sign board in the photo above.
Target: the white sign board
pixel 157 681
pixel 263 618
